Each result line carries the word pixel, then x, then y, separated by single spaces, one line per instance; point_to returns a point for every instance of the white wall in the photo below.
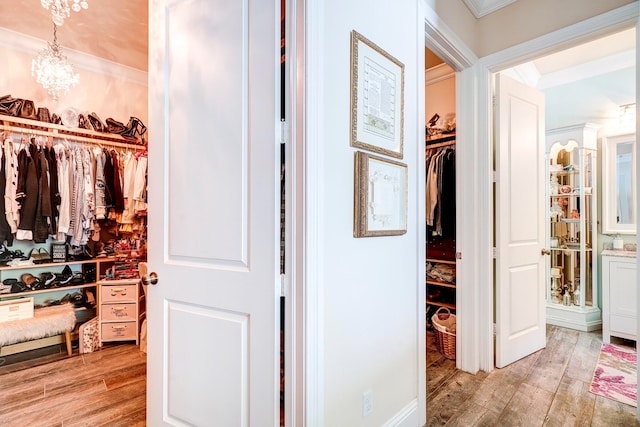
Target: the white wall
pixel 369 285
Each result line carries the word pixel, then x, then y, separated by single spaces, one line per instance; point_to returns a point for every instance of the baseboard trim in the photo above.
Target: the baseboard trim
pixel 408 416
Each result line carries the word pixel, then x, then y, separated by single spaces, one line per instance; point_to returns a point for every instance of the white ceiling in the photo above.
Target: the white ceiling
pixel 598 57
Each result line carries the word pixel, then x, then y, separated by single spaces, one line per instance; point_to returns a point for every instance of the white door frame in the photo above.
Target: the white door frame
pixel 440 39
pixel 616 20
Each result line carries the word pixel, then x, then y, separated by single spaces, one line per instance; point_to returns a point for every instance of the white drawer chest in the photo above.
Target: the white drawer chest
pixel 122 308
pixel 619 295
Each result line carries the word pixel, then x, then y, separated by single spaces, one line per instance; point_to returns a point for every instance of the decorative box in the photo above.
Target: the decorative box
pixel 58 252
pixel 16 309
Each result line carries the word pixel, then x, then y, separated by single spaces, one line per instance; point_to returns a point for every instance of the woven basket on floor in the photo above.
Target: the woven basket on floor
pixel 444 326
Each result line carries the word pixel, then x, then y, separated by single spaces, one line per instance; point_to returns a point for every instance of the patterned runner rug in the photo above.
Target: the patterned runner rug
pixel 615 374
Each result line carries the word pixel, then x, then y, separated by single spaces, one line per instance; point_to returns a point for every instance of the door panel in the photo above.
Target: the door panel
pixel 213 318
pixel 520 297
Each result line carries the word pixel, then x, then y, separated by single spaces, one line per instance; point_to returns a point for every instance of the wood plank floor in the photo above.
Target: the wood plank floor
pixel 107 387
pixel 548 388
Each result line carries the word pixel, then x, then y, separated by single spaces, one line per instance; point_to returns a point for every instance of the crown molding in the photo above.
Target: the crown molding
pixel 32 46
pixel 438 73
pixel 480 8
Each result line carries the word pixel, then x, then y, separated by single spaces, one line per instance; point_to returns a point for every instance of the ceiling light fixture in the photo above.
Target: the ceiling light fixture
pixel 627 114
pixel 60 9
pixel 52 70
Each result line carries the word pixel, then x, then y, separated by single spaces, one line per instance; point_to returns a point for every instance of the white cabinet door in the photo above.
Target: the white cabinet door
pixel 520 197
pixel 213 317
pixel 619 298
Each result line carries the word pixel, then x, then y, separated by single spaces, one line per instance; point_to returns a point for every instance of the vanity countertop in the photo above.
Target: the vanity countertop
pixel 619 253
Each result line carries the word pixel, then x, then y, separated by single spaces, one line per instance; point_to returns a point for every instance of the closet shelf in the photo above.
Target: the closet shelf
pixel 57 264
pixel 441 261
pixel 443 284
pixel 442 304
pixel 35 127
pixel 49 290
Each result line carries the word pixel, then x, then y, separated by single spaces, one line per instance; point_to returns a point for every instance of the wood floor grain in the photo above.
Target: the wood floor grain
pixel 107 387
pixel 547 388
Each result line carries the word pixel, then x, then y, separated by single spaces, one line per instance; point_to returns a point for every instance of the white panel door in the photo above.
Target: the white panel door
pixel 520 198
pixel 213 317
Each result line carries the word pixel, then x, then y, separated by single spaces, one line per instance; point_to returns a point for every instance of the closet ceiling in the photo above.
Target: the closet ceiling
pixel 115 30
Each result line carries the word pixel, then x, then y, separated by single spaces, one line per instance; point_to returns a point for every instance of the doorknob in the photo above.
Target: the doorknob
pixel 542 252
pixel 150 279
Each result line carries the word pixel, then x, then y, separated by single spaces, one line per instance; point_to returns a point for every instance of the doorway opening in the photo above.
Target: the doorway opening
pixel 440 221
pixel 587 83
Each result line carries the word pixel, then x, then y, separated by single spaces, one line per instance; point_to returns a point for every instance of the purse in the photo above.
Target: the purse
pixel 28 110
pixel 43 115
pixel 83 122
pixel 114 126
pixel 96 123
pixel 10 106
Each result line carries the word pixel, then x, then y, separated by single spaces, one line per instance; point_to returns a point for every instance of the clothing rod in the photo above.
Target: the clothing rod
pixel 440 144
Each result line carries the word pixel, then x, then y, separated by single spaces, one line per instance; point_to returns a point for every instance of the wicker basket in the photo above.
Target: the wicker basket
pixel 444 325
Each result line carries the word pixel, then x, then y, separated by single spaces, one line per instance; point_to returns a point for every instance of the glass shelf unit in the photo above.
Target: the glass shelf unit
pixel 571 228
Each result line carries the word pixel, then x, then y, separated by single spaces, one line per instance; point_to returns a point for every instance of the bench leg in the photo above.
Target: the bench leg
pixel 67 337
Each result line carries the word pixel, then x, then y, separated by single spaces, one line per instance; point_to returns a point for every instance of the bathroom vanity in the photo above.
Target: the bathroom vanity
pixel 619 295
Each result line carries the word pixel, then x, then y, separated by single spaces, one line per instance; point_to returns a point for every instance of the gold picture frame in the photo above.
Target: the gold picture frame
pixel 380 200
pixel 377 98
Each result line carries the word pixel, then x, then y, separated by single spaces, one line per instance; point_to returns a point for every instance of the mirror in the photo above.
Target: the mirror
pixel 618 184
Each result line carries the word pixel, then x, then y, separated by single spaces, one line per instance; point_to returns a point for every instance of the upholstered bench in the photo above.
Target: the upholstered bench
pixel 46 322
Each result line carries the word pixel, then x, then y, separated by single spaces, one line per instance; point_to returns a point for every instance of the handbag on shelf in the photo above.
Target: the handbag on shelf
pixel 10 106
pixel 96 123
pixel 43 115
pixel 56 119
pixel 114 126
pixel 83 122
pixel 28 110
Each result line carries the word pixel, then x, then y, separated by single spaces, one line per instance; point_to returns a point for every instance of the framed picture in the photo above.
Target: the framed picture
pixel 380 202
pixel 377 98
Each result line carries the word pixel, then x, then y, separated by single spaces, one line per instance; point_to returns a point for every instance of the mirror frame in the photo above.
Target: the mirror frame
pixel 609 184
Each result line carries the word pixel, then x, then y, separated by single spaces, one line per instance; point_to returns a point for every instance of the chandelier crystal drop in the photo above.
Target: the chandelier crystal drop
pixel 52 70
pixel 60 9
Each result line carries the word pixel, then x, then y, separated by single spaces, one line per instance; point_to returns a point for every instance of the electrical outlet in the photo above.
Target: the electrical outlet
pixel 367 403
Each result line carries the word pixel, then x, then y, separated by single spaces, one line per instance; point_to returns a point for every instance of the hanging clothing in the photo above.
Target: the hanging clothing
pixel 27 192
pixel 11 206
pixel 63 159
pixel 100 185
pixel 440 190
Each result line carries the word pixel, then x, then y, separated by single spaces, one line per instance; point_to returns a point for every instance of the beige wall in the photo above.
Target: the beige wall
pixel 106 95
pixel 527 19
pixel 440 98
pixel 518 22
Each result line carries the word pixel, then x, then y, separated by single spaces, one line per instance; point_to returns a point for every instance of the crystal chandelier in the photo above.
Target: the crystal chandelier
pixel 52 70
pixel 60 8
